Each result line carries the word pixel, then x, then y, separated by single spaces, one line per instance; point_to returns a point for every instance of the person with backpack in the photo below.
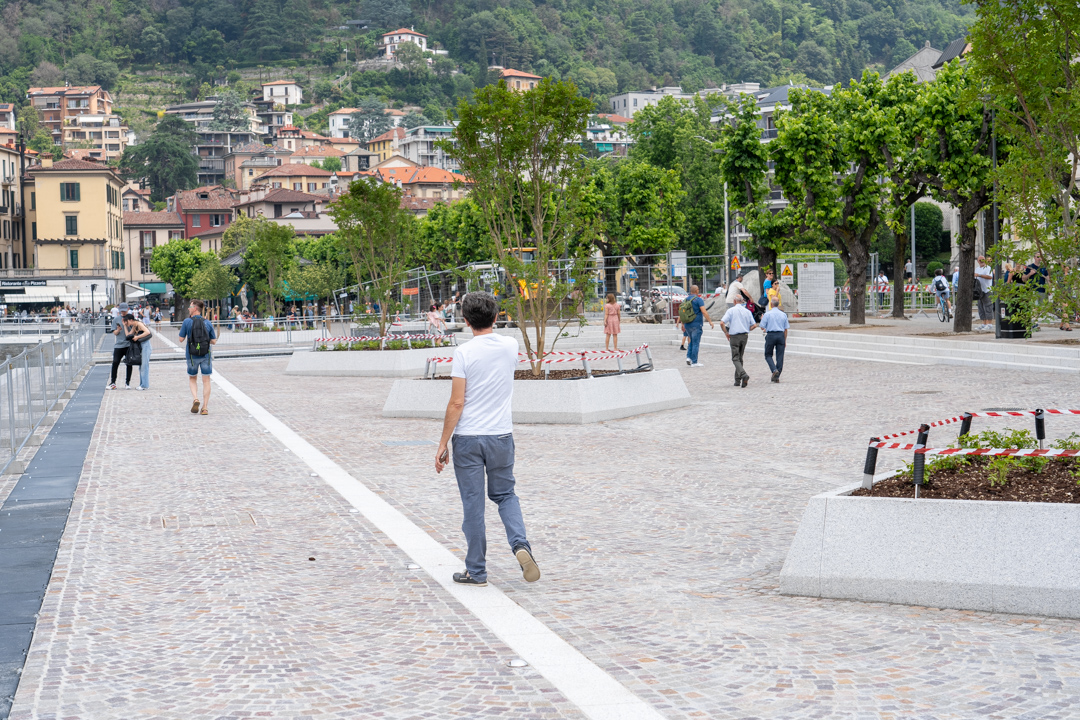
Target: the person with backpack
pixel 940 286
pixel 138 335
pixel 197 335
pixel 692 314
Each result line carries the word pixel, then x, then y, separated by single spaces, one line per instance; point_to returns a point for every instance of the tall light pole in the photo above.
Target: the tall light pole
pixel 727 219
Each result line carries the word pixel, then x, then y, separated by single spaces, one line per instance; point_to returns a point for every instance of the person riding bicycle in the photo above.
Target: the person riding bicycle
pixel 940 286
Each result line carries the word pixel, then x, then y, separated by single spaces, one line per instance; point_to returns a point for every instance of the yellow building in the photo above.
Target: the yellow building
pixel 386 145
pixel 75 224
pixel 299 177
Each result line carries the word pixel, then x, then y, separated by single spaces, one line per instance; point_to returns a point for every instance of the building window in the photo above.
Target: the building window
pixel 115 260
pixel 144 266
pixel 215 221
pixel 33 201
pixel 71 224
pixel 311 187
pixel 121 259
pixel 69 192
pixel 147 240
pixel 73 259
pixel 196 221
pixel 33 231
pixel 176 235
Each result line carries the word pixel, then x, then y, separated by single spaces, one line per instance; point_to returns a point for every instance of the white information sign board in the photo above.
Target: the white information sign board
pixel 678 263
pixel 817 283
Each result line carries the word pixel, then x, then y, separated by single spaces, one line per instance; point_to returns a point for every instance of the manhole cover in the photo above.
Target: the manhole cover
pixel 408 443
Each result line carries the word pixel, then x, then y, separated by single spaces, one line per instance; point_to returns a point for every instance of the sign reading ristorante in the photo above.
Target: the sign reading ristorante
pixel 22 283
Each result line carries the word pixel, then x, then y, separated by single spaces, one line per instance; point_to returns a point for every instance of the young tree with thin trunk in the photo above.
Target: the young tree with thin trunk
pixel 521 152
pixel 379 236
pixel 829 161
pixel 177 262
pixel 269 255
pixel 954 128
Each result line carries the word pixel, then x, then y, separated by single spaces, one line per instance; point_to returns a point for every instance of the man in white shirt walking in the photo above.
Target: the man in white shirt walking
pixel 736 290
pixel 984 276
pixel 737 324
pixel 774 323
pixel 479 421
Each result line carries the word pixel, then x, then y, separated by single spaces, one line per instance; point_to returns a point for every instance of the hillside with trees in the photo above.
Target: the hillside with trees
pixel 605 46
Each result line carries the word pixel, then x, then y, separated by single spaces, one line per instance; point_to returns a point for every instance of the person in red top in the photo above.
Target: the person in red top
pixel 611 322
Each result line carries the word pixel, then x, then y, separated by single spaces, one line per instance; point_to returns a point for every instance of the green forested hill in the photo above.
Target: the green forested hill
pixel 605 45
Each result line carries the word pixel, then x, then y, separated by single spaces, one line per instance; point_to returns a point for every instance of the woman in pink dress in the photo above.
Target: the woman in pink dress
pixel 611 321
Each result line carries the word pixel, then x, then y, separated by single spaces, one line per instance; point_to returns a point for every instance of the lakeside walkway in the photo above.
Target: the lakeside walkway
pixel 184 586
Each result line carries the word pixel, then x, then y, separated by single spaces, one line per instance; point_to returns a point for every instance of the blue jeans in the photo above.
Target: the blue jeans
pixel 195 364
pixel 693 331
pixel 775 341
pixel 473 454
pixel 144 368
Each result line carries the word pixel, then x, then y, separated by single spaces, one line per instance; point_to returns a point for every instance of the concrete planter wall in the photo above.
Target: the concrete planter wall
pixel 974 555
pixel 363 363
pixel 571 402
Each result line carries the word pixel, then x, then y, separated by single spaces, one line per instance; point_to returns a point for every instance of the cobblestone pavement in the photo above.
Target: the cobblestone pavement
pixel 183 587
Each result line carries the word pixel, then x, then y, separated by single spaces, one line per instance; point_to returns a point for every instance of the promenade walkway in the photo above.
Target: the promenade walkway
pixel 206 573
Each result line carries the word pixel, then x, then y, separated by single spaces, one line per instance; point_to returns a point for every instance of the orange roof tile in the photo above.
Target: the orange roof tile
pixel 509 72
pixel 404 31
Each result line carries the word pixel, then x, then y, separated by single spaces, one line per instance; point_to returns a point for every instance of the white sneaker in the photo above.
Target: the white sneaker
pixel 140 387
pixel 110 386
pixel 698 365
pixel 688 361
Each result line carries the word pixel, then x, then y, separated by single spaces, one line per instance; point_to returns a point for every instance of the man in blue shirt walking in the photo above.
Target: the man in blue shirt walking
pixel 695 327
pixel 737 324
pixel 774 323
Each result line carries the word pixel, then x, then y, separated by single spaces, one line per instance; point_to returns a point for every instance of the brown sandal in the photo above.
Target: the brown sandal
pixel 203 412
pixel 194 406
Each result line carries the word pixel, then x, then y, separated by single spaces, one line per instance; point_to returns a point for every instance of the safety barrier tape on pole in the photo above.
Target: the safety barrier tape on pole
pixel 1032 452
pixel 368 338
pixel 989 413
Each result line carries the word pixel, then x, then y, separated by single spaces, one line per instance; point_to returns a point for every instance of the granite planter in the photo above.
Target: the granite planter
pixel 569 402
pixel 363 363
pixel 997 556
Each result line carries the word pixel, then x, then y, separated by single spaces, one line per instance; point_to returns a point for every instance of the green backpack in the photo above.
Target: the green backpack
pixel 687 314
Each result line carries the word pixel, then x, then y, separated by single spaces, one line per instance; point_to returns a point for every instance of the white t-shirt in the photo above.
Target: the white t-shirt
pixel 983 270
pixel 487 363
pixel 733 291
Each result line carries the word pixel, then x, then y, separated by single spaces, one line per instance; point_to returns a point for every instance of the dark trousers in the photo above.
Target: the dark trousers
pixel 118 356
pixel 774 341
pixel 738 347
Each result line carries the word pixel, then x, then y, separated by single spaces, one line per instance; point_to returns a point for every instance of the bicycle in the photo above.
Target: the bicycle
pixel 943 309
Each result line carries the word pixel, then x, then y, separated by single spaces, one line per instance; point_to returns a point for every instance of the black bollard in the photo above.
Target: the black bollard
pixel 919 464
pixel 1040 427
pixel 870 465
pixel 965 424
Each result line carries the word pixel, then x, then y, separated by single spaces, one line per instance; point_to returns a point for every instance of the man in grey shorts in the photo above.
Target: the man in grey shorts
pixel 478 420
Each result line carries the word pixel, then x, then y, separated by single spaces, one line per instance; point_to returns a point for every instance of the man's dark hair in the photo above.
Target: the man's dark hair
pixel 129 316
pixel 199 304
pixel 480 310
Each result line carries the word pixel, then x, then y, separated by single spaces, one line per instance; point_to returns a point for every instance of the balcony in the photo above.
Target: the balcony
pixel 768 134
pixel 215 164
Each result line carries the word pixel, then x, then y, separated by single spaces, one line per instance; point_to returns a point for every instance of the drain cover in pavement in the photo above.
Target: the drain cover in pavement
pixel 405 443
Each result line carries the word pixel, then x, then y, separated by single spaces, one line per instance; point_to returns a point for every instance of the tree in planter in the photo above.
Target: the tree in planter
pixel 954 129
pixel 520 150
pixel 829 160
pixel 268 256
pixel 213 280
pixel 639 210
pixel 379 236
pixel 1024 55
pixel 177 262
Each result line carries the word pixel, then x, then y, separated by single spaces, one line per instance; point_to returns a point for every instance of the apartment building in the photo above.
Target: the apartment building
pixel 206 213
pixel 273 116
pixel 106 133
pixel 422 182
pixel 305 155
pixel 285 92
pixel 76 224
pixel 302 178
pixel 246 162
pixel 12 247
pixel 56 104
pixel 7 116
pixel 211 146
pixel 387 144
pixel 143 231
pixel 418 146
pixel 518 80
pixel 303 212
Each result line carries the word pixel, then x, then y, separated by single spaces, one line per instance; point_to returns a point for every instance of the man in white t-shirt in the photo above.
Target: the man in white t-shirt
pixel 736 289
pixel 984 276
pixel 479 420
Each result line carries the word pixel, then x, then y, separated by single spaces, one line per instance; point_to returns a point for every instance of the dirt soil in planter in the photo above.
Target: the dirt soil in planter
pixel 1054 484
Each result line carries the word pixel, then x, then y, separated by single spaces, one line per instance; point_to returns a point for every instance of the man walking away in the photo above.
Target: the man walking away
pixel 691 314
pixel 737 324
pixel 984 277
pixel 198 332
pixel 774 323
pixel 478 420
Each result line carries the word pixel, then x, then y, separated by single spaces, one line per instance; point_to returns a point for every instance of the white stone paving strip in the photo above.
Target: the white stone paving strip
pixel 598 695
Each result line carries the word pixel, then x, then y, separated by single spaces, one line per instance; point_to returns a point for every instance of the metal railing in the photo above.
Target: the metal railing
pixel 33 381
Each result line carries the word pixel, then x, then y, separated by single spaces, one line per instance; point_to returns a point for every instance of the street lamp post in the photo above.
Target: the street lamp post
pixel 727 220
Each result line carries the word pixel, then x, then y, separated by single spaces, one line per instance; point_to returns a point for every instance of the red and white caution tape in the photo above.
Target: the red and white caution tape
pixel 978 451
pixel 988 413
pixel 569 356
pixel 366 338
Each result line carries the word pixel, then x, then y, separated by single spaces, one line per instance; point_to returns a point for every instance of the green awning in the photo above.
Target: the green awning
pixel 153 287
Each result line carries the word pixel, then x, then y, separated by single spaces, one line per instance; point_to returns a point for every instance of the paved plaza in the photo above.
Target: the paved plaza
pixel 205 572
